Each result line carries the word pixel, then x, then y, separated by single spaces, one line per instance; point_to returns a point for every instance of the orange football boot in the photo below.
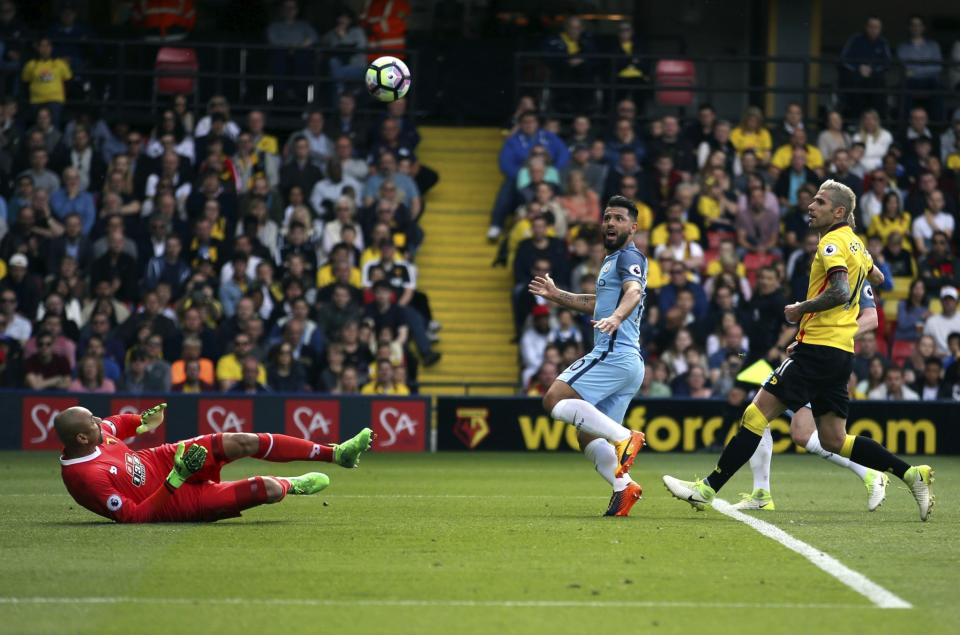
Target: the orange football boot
pixel 621 502
pixel 627 451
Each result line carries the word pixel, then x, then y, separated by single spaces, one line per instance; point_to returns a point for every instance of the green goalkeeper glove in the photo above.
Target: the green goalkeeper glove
pixel 186 464
pixel 151 418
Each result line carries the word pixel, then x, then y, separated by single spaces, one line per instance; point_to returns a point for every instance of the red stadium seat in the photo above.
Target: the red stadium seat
pixel 753 262
pixel 901 351
pixel 675 80
pixel 176 59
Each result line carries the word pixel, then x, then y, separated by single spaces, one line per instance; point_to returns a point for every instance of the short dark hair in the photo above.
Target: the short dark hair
pixel 625 203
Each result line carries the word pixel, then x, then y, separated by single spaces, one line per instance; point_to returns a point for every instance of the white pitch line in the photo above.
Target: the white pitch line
pixel 879 596
pixel 414 603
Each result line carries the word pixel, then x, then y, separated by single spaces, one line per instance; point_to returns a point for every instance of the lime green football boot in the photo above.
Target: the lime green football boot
pixel 347 454
pixel 697 493
pixel 876 484
pixel 920 479
pixel 759 499
pixel 308 484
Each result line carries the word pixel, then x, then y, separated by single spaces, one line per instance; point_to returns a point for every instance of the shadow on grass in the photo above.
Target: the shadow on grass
pixel 107 523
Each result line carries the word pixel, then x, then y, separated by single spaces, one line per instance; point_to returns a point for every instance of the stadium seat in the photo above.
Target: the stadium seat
pixel 901 351
pixel 675 80
pixel 753 262
pixel 882 346
pixel 891 306
pixel 901 287
pixel 176 59
pixel 935 306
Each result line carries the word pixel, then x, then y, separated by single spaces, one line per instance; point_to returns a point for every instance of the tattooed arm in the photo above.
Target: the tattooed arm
pixel 836 293
pixel 544 287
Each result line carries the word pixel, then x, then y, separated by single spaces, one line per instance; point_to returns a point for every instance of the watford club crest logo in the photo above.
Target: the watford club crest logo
pixel 471 426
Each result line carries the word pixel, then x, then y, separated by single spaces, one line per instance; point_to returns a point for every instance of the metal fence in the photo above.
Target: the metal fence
pixel 736 80
pixel 119 77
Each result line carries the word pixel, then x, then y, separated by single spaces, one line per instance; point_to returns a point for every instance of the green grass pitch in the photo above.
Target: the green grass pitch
pixel 457 543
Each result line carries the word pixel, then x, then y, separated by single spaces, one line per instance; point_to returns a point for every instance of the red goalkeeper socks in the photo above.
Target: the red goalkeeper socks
pixel 280 448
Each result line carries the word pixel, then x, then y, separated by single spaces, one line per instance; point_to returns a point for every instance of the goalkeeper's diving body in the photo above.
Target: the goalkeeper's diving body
pixel 594 392
pixel 181 483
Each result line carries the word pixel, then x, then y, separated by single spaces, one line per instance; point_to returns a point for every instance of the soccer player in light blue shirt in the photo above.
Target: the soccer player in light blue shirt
pixel 594 392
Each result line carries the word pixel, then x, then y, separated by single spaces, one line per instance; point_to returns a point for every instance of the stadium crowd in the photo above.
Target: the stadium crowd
pixel 204 253
pixel 723 223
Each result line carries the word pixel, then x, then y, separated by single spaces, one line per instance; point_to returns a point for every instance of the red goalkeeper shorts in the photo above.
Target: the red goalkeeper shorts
pixel 161 458
pixel 208 501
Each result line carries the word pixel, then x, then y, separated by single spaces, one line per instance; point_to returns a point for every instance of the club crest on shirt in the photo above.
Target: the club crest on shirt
pixel 605 268
pixel 135 468
pixel 829 250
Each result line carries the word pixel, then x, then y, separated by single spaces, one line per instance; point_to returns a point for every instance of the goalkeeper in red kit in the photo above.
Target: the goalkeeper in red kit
pixel 181 483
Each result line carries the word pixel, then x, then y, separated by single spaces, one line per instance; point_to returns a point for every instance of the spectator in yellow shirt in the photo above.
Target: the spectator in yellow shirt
pixel 46 77
pixel 751 135
pixel 340 258
pixel 661 234
pixel 229 369
pixel 892 220
pixel 783 155
pixel 384 383
pixel 262 141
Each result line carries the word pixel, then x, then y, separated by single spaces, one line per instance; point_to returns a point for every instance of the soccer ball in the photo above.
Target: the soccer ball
pixel 388 79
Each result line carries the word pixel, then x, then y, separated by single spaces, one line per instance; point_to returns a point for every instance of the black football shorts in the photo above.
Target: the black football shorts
pixel 815 374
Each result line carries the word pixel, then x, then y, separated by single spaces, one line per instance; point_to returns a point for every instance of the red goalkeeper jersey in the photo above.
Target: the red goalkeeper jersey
pixel 115 481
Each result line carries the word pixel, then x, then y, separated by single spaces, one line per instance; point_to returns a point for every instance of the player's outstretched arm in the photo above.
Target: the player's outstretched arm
pixel 632 295
pixel 836 293
pixel 544 287
pixel 151 418
pixel 876 276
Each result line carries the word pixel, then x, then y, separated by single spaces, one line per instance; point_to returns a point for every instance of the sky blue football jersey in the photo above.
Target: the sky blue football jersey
pixel 621 266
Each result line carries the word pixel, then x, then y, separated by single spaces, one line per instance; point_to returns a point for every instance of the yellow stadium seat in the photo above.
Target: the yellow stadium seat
pixel 901 287
pixel 890 308
pixel 935 307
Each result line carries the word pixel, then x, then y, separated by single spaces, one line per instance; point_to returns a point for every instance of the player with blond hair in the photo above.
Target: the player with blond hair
pixel 818 370
pixel 803 431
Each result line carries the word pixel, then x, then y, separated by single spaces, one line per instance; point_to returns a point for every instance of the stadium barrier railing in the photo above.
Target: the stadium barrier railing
pixel 119 77
pixel 682 425
pixel 402 424
pixel 534 73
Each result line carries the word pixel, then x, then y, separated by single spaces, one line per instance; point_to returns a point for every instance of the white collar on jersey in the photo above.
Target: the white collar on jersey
pixel 81 459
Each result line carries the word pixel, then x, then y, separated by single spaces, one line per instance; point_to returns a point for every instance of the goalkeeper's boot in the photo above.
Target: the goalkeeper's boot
pixel 759 499
pixel 920 478
pixel 621 502
pixel 308 484
pixel 697 493
pixel 347 454
pixel 627 451
pixel 876 484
